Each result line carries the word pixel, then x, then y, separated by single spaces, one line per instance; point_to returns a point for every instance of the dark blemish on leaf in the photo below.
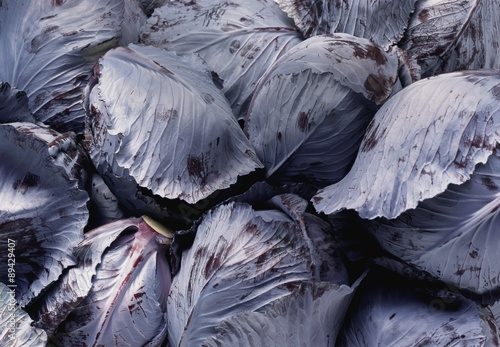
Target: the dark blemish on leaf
pixel 246 21
pixel 57 2
pixel 473 254
pixel 495 92
pixel 291 286
pixel 279 136
pixel 234 46
pixel 372 138
pixel 374 86
pixel 316 163
pixel 30 180
pixel 477 141
pixel 195 166
pixel 71 33
pixel 219 82
pixel 212 265
pixel 217 141
pixel 247 48
pixel 261 260
pixel 41 38
pixel 392 316
pixel 251 228
pixel 489 183
pixel 448 327
pixel 139 295
pixel 369 52
pixel 208 98
pixel 424 15
pixel 48 17
pixel 303 121
pixel 460 164
pixel 163 68
pixel 317 199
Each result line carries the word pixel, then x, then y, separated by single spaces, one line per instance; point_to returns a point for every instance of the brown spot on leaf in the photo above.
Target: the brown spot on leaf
pixel 317 199
pixel 212 265
pixel 208 98
pixel 369 52
pixel 423 15
pixel 303 121
pixel 372 138
pixel 489 183
pixel 163 68
pixel 251 228
pixel 195 166
pixel 30 180
pixel 234 46
pixel 379 87
pixel 41 38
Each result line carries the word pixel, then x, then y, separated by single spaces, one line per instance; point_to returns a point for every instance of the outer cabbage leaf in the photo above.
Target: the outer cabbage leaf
pixel 427 136
pixel 62 297
pixel 49 48
pixel 240 261
pixel 310 316
pixel 14 105
pixel 381 21
pixel 395 315
pixel 452 35
pixel 42 209
pixel 127 303
pixel 311 108
pixel 238 40
pixel 157 118
pixel 451 235
pixel 16 325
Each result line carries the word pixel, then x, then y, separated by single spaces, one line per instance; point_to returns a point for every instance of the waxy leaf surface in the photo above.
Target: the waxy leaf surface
pixel 52 52
pixel 429 135
pixel 311 108
pixel 157 118
pixel 238 40
pixel 42 209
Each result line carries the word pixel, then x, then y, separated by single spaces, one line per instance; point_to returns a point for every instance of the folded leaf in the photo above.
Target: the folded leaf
pixel 310 316
pixel 62 297
pixel 452 35
pixel 240 261
pixel 238 40
pixel 381 21
pixel 49 48
pixel 42 209
pixel 450 236
pixel 16 325
pixel 127 303
pixel 427 136
pixel 157 118
pixel 311 108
